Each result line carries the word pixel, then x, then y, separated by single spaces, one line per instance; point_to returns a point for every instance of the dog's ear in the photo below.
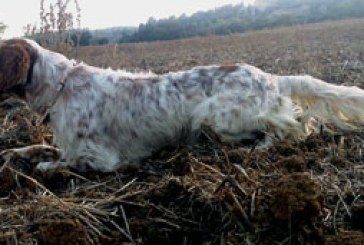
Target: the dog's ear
pixel 14 65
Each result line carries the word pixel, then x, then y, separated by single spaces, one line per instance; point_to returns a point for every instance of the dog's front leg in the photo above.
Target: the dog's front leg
pixel 33 154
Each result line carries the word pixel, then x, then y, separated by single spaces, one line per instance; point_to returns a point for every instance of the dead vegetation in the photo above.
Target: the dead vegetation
pixel 59 21
pixel 308 192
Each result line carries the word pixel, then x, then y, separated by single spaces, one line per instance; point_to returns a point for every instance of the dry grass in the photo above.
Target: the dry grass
pixel 58 19
pixel 307 192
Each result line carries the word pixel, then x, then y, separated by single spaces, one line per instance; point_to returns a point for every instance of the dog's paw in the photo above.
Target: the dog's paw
pixel 47 166
pixel 8 155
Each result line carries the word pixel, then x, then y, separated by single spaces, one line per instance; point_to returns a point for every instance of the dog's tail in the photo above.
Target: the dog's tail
pixel 342 106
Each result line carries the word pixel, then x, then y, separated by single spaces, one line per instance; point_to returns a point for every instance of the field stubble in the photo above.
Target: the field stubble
pixel 308 192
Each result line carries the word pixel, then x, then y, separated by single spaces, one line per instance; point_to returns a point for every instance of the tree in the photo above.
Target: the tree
pixel 85 37
pixel 103 41
pixel 2 28
pixel 240 18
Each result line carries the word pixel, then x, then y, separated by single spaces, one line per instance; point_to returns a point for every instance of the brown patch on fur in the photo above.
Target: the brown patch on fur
pixel 228 68
pixel 30 50
pixel 16 58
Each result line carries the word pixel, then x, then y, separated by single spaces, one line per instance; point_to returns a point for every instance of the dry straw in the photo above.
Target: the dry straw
pixel 59 20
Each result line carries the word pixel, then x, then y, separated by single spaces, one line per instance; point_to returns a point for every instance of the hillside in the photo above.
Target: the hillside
pixel 229 19
pixel 240 18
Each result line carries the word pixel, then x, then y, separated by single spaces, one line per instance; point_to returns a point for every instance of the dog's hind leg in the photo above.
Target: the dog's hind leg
pixel 234 118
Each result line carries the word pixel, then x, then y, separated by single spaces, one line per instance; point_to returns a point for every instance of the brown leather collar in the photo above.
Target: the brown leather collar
pixel 60 87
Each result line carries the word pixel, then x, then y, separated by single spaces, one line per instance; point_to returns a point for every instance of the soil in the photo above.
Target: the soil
pixel 296 197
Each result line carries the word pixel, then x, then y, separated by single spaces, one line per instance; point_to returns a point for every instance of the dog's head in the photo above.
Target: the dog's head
pixel 17 57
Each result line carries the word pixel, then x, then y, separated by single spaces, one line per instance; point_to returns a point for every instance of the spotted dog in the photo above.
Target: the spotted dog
pixel 102 119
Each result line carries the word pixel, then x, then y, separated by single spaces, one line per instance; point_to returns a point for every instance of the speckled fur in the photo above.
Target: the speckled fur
pixel 104 118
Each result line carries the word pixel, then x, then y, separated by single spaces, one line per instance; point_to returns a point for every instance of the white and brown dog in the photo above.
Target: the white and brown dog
pixel 102 119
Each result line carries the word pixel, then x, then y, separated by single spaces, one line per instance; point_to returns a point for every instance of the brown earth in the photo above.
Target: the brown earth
pixel 308 192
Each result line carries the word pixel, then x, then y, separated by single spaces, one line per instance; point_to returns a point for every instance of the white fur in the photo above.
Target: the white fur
pixel 104 118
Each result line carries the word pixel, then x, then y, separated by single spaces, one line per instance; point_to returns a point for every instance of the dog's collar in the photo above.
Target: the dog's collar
pixel 30 74
pixel 33 58
pixel 60 87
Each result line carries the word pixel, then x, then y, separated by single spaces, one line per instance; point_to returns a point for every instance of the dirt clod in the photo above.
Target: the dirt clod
pixel 64 232
pixel 286 150
pixel 358 216
pixel 340 162
pixel 296 197
pixel 291 164
pixel 7 183
pixel 346 238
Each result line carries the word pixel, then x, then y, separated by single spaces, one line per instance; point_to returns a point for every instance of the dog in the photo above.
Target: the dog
pixel 103 119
